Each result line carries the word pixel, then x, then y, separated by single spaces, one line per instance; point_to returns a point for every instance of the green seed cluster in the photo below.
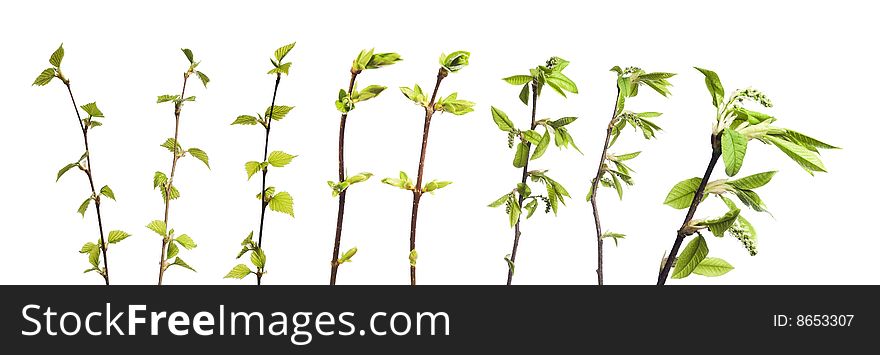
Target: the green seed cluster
pixel 751 94
pixel 739 231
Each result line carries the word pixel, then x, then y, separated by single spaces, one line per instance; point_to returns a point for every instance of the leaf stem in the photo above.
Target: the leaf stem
pixel 334 263
pixel 698 196
pixel 594 188
pixel 163 260
pixel 417 190
pixel 88 171
pixel 525 176
pixel 263 201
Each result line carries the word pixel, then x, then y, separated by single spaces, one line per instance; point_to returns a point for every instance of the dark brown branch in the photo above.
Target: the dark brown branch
pixel 525 176
pixel 417 190
pixel 594 188
pixel 88 170
pixel 263 202
pixel 698 196
pixel 163 260
pixel 334 263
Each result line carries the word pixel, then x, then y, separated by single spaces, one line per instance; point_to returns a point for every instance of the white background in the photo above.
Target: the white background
pixel 816 60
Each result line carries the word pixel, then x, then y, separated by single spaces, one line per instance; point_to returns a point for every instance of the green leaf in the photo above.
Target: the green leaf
pixel 278 112
pixel 258 258
pixel 189 54
pixel 159 179
pixel 279 159
pixel 346 257
pixel 245 120
pixel 282 202
pixel 455 61
pixel 170 144
pixel 713 83
pixel 252 167
pixel 806 158
pixel 690 257
pixel 172 251
pixel 166 98
pixel 562 122
pixel 379 60
pixel 159 227
pixel 57 56
pixel 45 77
pixel 500 201
pixel 282 51
pixel 92 110
pixel 532 136
pixel 200 155
pixel 106 191
pixel 454 106
pixel 515 210
pixel 204 78
pixel 617 186
pixel 522 155
pixel 116 236
pixel 614 236
pixel 752 182
pixel 186 242
pixel 281 69
pixel 510 265
pixel 682 194
pixel 501 120
pixel 95 256
pixel 239 271
pixel 542 145
pixel 518 79
pixel 369 92
pixel 435 185
pixel 524 94
pixel 559 80
pixel 625 157
pixel 713 267
pixel 530 207
pixel 733 150
pixel 181 263
pixel 721 224
pixel 84 206
pixel 807 141
pixel 87 247
pixel 65 169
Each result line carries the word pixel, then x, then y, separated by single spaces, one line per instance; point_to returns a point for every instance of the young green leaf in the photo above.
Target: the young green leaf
pixel 346 257
pixel 258 258
pixel 116 236
pixel 713 83
pixel 252 167
pixel 200 155
pixel 690 257
pixel 204 78
pixel 282 202
pixel 279 159
pixel 806 158
pixel 368 92
pixel 278 112
pixel 413 257
pixel 733 150
pixel 106 191
pixel 455 61
pixel 501 120
pixel 435 185
pixel 189 54
pixel 45 77
pixel 682 193
pixel 65 169
pixel 84 206
pixel 186 242
pixel 282 51
pixel 181 263
pixel 57 56
pixel 245 120
pixel 92 110
pixel 712 267
pixel 542 145
pixel 239 271
pixel 172 251
pixel 159 227
pixel 721 224
pixel 752 182
pixel 518 79
pixel 166 98
pixel 522 155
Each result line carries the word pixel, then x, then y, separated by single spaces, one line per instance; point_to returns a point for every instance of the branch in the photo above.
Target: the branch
pixel 698 196
pixel 177 107
pixel 334 263
pixel 594 187
pixel 263 202
pixel 525 175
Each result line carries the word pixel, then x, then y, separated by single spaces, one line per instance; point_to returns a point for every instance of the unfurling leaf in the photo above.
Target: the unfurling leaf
pixel 181 263
pixel 435 185
pixel 106 191
pixel 346 257
pixel 159 227
pixel 713 83
pixel 186 242
pixel 413 257
pixel 57 56
pixel 455 61
pixel 45 77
